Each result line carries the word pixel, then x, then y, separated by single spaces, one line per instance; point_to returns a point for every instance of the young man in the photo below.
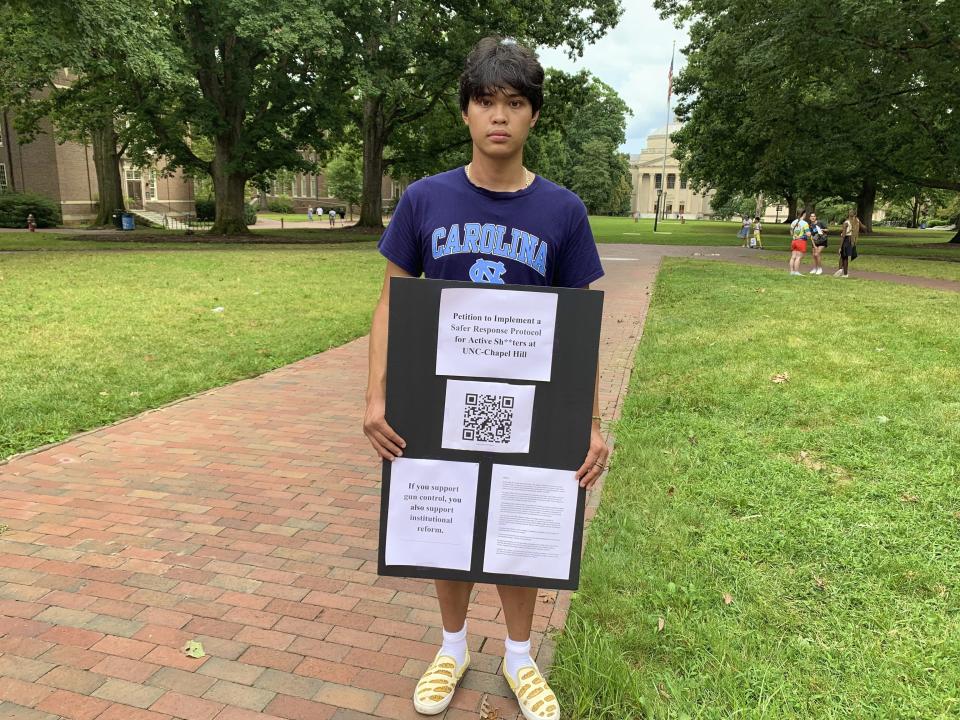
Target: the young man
pixel 492 221
pixel 800 232
pixel 819 233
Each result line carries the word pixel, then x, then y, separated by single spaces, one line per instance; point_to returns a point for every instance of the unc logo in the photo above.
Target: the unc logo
pixel 487 271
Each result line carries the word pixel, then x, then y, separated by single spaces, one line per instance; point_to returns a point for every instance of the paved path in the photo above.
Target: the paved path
pixel 246 518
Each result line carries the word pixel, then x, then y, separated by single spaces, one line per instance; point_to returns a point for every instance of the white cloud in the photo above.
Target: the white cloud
pixel 633 58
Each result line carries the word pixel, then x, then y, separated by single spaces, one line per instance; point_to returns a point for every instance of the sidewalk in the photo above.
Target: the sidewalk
pixel 245 518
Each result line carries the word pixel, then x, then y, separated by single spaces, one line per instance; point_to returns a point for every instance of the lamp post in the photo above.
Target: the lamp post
pixel 656 211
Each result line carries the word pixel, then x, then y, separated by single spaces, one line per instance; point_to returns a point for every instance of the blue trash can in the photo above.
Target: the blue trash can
pixel 127 220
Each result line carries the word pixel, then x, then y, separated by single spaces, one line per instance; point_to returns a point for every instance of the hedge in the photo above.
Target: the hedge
pixel 207 210
pixel 14 208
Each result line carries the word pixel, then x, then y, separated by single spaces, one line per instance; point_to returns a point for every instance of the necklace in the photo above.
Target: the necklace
pixel 527 177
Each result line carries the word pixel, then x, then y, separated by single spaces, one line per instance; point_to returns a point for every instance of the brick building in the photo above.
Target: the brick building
pixel 65 173
pixel 310 190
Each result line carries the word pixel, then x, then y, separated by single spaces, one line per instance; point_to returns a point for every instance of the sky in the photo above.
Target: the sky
pixel 633 58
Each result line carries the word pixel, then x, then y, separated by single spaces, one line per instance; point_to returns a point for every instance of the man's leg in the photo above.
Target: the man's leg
pixel 454 598
pixel 434 691
pixel 536 698
pixel 518 604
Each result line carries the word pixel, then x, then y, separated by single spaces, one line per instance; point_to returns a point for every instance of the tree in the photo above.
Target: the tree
pixel 815 98
pixel 261 82
pixel 407 55
pixel 590 177
pixel 91 39
pixel 577 108
pixel 344 175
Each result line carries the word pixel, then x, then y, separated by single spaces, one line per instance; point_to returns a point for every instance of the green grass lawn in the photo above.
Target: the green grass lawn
pixel 146 238
pixel 799 540
pixel 941 270
pixel 90 338
pixel 891 241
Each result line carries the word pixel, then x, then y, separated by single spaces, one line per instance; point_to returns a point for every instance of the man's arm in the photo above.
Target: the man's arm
pixel 596 460
pixel 384 439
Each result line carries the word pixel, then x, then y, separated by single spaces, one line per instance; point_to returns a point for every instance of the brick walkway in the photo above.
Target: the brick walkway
pixel 245 518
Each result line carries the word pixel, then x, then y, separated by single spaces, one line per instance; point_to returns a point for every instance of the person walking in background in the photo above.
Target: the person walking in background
pixel 310 213
pixel 800 233
pixel 757 228
pixel 333 217
pixel 848 245
pixel 818 232
pixel 744 233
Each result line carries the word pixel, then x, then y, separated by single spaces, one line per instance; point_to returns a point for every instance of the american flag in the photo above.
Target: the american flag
pixel 670 80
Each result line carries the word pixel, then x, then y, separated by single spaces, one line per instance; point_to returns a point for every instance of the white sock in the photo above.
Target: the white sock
pixel 455 645
pixel 517 656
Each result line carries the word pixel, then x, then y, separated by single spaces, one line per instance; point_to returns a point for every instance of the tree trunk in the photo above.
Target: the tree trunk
pixel 374 138
pixel 865 203
pixel 791 208
pixel 915 220
pixel 228 187
pixel 106 160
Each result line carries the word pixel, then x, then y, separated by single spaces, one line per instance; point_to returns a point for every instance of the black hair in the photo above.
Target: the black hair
pixel 497 63
pixel 757 218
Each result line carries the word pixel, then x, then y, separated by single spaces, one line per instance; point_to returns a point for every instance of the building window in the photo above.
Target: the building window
pixel 669 209
pixel 152 185
pixel 683 208
pixel 3 178
pixel 671 181
pixel 658 181
pixel 683 182
pixel 1 135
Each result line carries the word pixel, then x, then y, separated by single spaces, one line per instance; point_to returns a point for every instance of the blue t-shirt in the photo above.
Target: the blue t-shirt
pixel 447 228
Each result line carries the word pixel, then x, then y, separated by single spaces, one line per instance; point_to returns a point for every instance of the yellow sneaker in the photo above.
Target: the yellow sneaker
pixel 537 701
pixel 435 689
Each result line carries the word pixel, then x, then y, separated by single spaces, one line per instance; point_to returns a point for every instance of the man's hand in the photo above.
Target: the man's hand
pixel 596 461
pixel 384 439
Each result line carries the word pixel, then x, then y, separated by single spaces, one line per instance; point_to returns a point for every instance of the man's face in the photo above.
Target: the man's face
pixel 813 217
pixel 499 123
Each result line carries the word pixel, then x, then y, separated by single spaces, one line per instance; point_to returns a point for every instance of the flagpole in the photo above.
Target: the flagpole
pixel 666 141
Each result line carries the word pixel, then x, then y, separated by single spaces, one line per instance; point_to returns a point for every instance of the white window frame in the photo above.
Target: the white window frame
pixel 3 177
pixel 152 186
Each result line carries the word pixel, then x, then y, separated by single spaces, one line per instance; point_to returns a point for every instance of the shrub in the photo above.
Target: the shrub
pixel 14 208
pixel 207 210
pixel 281 204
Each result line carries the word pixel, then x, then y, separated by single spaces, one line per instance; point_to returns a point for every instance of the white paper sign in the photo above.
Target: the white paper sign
pixel 530 522
pixel 432 504
pixel 496 333
pixel 492 417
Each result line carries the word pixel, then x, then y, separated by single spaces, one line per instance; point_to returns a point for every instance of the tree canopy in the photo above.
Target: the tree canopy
pixel 810 98
pixel 241 91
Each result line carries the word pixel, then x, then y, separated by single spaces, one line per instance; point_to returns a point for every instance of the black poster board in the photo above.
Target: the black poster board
pixel 561 423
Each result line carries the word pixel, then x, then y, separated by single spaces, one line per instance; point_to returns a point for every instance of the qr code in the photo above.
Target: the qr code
pixel 488 418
